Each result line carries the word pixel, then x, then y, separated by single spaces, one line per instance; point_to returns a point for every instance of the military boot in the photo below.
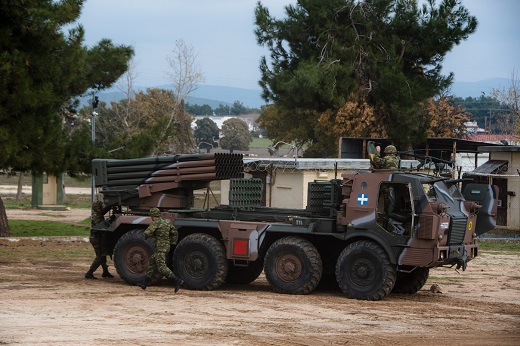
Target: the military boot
pixel 143 284
pixel 90 275
pixel 177 282
pixel 106 273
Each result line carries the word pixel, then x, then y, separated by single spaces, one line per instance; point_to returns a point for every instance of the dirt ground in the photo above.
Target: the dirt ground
pixel 46 300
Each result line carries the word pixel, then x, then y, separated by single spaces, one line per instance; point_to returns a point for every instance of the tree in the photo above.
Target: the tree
pixel 238 108
pixel 235 135
pixel 206 131
pixel 146 131
pixel 364 62
pixel 483 109
pixel 205 109
pixel 41 69
pixel 223 110
pixel 444 119
pixel 185 76
pixel 509 97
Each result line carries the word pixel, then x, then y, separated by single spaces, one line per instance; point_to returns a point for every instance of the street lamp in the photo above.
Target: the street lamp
pixel 274 148
pixel 95 102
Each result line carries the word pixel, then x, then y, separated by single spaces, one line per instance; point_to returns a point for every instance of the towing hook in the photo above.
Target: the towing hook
pixel 462 263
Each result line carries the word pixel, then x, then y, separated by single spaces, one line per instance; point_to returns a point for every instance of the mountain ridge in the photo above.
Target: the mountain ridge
pixel 214 95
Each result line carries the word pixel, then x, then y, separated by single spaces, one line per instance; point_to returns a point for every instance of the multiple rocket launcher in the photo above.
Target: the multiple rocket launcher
pixel 120 179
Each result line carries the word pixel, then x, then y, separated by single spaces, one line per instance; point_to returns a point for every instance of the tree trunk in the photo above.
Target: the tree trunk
pixel 4 226
pixel 20 187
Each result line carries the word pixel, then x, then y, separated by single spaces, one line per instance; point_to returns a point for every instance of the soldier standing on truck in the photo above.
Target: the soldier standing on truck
pixel 165 236
pixel 389 161
pixel 95 239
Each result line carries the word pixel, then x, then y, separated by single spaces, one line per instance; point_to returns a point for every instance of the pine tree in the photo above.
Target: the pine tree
pixel 366 64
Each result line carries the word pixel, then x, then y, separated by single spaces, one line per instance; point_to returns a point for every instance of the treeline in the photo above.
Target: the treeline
pixel 237 108
pixel 489 113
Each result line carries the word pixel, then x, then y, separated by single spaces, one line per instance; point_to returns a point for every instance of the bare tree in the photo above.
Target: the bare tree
pixel 510 97
pixel 127 112
pixel 185 76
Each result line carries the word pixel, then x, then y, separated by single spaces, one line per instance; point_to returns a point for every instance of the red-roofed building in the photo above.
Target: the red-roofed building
pixel 487 138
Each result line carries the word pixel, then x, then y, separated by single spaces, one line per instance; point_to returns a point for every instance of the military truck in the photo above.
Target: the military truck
pixel 372 232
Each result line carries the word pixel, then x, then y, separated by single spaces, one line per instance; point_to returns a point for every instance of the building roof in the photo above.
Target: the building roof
pixel 439 147
pixel 501 148
pixel 316 163
pixel 510 138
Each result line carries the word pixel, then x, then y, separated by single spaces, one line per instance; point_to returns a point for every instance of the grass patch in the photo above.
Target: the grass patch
pixel 260 143
pixel 509 247
pixel 27 228
pixel 72 201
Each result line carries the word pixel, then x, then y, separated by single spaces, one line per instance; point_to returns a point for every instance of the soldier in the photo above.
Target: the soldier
pixel 96 238
pixel 389 161
pixel 165 236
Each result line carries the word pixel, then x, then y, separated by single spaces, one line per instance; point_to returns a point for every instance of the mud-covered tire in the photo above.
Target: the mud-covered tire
pixel 131 255
pixel 411 283
pixel 293 266
pixel 200 260
pixel 364 271
pixel 244 275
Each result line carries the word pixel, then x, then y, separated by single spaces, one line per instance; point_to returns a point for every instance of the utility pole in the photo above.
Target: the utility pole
pixel 95 102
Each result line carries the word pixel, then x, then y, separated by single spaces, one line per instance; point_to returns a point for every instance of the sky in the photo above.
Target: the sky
pixel 221 33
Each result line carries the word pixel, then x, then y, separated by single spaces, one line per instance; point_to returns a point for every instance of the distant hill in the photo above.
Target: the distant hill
pixel 211 95
pixel 475 89
pixel 214 95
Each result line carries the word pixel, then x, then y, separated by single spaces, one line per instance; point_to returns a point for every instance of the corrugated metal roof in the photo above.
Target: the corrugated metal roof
pixel 491 167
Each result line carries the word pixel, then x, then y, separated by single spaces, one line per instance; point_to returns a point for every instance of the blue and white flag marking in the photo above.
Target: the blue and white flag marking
pixel 362 199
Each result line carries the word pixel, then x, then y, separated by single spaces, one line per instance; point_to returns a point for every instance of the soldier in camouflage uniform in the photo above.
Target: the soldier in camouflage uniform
pixel 96 238
pixel 165 236
pixel 389 161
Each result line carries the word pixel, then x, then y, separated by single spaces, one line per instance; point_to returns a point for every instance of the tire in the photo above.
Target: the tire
pixel 244 275
pixel 363 271
pixel 293 266
pixel 411 283
pixel 131 255
pixel 200 260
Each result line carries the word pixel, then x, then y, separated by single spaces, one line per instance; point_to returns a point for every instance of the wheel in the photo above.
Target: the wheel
pixel 200 260
pixel 131 255
pixel 410 283
pixel 244 275
pixel 363 271
pixel 293 266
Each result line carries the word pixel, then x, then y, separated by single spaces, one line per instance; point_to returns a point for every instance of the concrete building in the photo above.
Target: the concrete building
pixel 285 180
pixel 503 170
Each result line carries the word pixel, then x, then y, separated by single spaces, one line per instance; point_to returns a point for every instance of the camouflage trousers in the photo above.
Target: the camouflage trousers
pixel 100 259
pixel 157 262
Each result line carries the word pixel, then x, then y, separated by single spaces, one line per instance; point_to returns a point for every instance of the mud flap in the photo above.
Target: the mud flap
pixel 485 195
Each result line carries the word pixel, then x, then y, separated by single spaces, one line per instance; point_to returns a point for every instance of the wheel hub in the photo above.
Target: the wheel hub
pixel 196 264
pixel 363 272
pixel 289 268
pixel 136 259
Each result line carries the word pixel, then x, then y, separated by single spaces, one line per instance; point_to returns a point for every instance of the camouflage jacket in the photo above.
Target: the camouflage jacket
pixel 163 232
pixel 390 161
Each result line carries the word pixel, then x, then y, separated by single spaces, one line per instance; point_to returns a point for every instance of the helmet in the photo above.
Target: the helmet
pixel 155 212
pixel 97 205
pixel 390 150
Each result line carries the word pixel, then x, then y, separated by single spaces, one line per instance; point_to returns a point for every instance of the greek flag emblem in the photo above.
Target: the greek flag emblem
pixel 362 199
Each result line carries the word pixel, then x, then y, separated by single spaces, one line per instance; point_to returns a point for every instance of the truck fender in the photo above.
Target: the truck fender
pixel 242 239
pixel 363 235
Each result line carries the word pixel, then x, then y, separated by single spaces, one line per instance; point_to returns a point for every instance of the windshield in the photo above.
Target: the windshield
pixel 442 192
